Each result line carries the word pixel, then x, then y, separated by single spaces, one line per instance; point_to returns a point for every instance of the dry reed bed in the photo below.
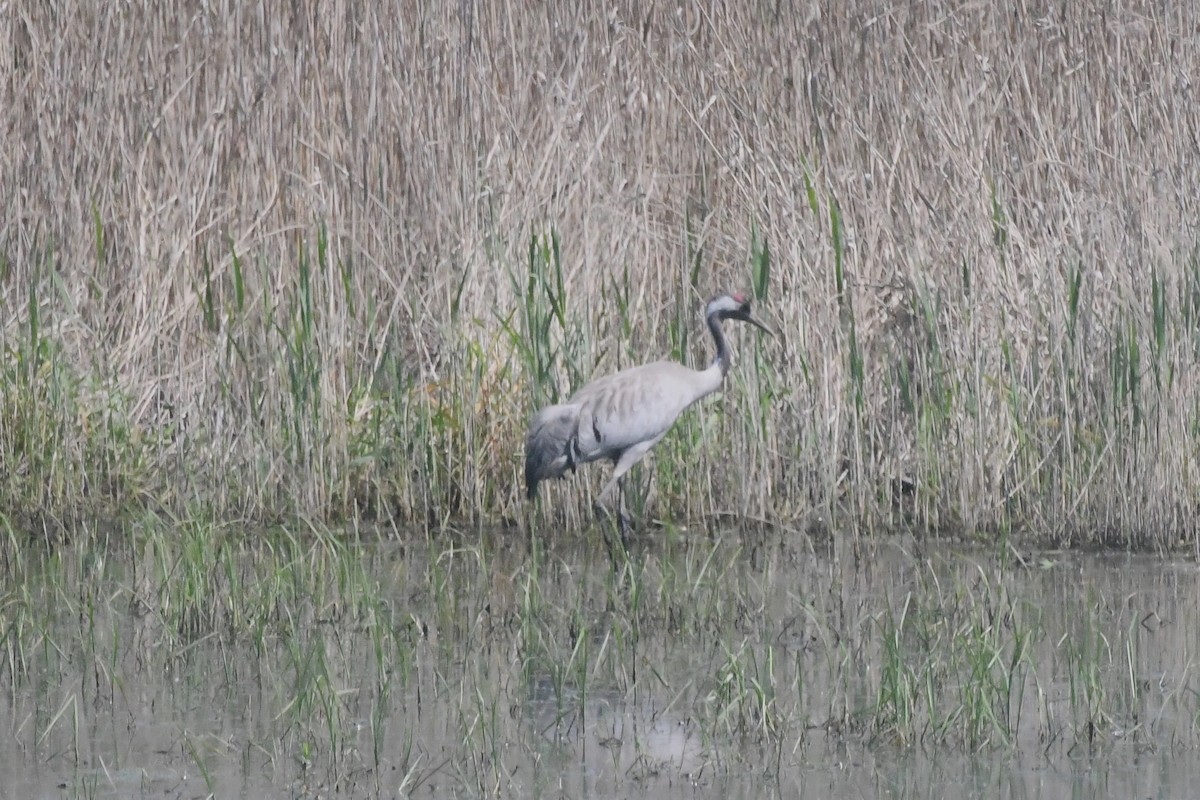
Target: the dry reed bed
pixel 266 261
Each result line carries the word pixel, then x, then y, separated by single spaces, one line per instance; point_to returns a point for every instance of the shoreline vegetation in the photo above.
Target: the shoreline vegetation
pixel 325 263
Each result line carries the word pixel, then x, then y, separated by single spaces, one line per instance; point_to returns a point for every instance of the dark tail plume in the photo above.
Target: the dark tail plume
pixel 551 447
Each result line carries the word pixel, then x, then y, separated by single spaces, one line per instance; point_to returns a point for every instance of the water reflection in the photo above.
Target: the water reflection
pixel 736 664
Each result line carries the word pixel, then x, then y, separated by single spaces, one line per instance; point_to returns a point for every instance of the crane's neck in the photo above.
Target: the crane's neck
pixel 724 359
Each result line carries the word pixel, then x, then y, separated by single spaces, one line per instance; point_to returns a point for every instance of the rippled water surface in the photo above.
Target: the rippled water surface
pixel 706 665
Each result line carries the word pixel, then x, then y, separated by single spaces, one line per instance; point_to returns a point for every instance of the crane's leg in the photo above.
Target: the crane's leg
pixel 622 515
pixel 628 458
pixel 624 525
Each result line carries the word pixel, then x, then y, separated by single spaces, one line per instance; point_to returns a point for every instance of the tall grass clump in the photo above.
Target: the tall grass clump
pixel 262 284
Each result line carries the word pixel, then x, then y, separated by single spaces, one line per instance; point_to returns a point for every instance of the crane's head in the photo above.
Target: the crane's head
pixel 734 306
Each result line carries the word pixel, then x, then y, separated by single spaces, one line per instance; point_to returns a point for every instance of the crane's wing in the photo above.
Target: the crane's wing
pixel 635 406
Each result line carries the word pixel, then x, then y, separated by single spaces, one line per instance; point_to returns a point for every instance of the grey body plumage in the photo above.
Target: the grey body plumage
pixel 620 417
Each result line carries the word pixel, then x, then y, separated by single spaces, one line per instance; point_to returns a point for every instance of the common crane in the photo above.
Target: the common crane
pixel 623 415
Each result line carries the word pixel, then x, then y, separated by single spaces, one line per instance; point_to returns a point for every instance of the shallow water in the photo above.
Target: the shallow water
pixel 734 664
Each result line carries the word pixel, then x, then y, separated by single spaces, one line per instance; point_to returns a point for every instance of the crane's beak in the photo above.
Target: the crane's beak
pixel 742 313
pixel 758 324
pixel 745 316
